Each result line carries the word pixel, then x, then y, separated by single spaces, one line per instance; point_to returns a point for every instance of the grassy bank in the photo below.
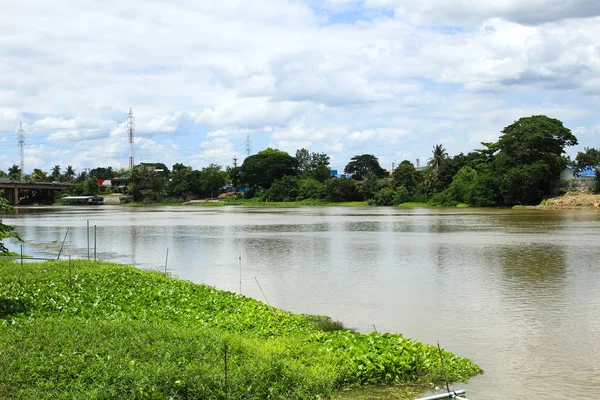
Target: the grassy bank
pixel 307 202
pixel 101 330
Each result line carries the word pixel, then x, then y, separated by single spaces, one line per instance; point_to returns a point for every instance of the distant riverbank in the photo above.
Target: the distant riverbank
pixel 570 201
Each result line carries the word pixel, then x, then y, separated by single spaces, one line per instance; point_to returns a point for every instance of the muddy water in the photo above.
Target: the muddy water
pixel 517 291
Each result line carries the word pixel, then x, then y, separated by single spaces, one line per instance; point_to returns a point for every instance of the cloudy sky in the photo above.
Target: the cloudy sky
pixel 387 77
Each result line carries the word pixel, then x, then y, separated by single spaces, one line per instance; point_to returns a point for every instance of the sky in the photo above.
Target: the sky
pixel 390 78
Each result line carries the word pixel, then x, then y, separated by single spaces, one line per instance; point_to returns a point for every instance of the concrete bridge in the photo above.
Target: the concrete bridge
pixel 11 188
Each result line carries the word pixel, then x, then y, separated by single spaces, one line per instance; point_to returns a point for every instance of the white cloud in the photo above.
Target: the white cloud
pixel 194 72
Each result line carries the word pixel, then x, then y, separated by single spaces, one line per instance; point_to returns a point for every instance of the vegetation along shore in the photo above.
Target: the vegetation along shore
pixel 100 330
pixel 527 165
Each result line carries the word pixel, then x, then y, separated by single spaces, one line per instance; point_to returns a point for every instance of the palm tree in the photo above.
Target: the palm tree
pixel 69 173
pixel 55 173
pixel 14 172
pixel 439 154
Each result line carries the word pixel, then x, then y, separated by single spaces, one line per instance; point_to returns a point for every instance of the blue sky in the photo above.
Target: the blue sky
pixel 387 77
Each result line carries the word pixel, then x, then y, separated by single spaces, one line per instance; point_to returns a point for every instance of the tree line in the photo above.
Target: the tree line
pixel 522 167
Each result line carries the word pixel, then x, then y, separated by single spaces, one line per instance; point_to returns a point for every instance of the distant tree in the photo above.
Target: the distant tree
pixel 38 175
pixel 6 231
pixel 303 157
pixel 14 172
pixel 102 173
pixel 438 155
pixel 529 157
pixel 284 189
pixel 262 169
pixel 160 169
pixel 589 157
pixel 55 173
pixel 81 177
pixel 405 175
pixel 69 174
pixel 338 190
pixel 363 165
pixel 213 178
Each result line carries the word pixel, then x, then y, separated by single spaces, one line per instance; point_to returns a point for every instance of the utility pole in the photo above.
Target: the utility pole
pixel 131 131
pixel 248 145
pixel 418 163
pixel 235 160
pixel 21 141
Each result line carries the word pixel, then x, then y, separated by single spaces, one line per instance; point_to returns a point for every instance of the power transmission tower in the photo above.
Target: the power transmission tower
pixel 131 131
pixel 235 159
pixel 248 145
pixel 418 163
pixel 21 141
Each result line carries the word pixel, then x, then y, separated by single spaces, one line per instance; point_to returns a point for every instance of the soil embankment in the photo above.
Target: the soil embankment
pixel 571 201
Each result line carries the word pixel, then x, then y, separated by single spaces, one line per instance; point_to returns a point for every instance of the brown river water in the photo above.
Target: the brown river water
pixel 517 291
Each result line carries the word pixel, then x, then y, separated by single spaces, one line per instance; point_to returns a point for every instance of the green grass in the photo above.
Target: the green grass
pixel 107 331
pixel 299 203
pixel 415 204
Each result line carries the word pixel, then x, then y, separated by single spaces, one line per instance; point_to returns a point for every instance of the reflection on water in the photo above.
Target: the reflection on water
pixel 516 291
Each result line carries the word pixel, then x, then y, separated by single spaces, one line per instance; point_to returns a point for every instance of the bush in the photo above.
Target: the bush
pixel 338 190
pixel 311 189
pixel 284 189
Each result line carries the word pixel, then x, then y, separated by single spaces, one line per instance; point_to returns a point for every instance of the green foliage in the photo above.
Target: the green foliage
pixel 469 187
pixel 14 172
pixel 102 173
pixel 311 189
pixel 262 169
pixel 438 155
pixel 6 231
pixel 364 165
pixel 337 190
pixel 108 331
pixel 370 186
pixel 405 175
pixel 284 189
pixel 90 187
pixel 529 157
pixel 401 195
pixel 589 157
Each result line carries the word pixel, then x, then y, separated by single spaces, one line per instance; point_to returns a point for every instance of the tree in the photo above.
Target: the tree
pixel 38 175
pixel 55 174
pixel 262 169
pixel 213 178
pixel 284 189
pixel 69 173
pixel 313 165
pixel 6 231
pixel 363 165
pixel 14 172
pixel 589 157
pixel 438 155
pixel 102 173
pixel 337 190
pixel 405 175
pixel 303 157
pixel 528 158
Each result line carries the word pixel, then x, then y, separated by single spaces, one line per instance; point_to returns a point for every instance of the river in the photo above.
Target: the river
pixel 517 291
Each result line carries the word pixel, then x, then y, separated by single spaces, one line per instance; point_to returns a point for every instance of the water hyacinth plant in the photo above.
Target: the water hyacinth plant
pixel 102 330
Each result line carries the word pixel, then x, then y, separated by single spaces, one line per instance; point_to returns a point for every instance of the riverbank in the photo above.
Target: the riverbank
pixel 570 201
pixel 94 329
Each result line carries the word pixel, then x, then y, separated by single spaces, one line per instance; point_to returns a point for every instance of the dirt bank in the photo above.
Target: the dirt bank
pixel 571 201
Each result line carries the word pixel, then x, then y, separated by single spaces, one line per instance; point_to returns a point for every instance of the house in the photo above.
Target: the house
pixel 568 173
